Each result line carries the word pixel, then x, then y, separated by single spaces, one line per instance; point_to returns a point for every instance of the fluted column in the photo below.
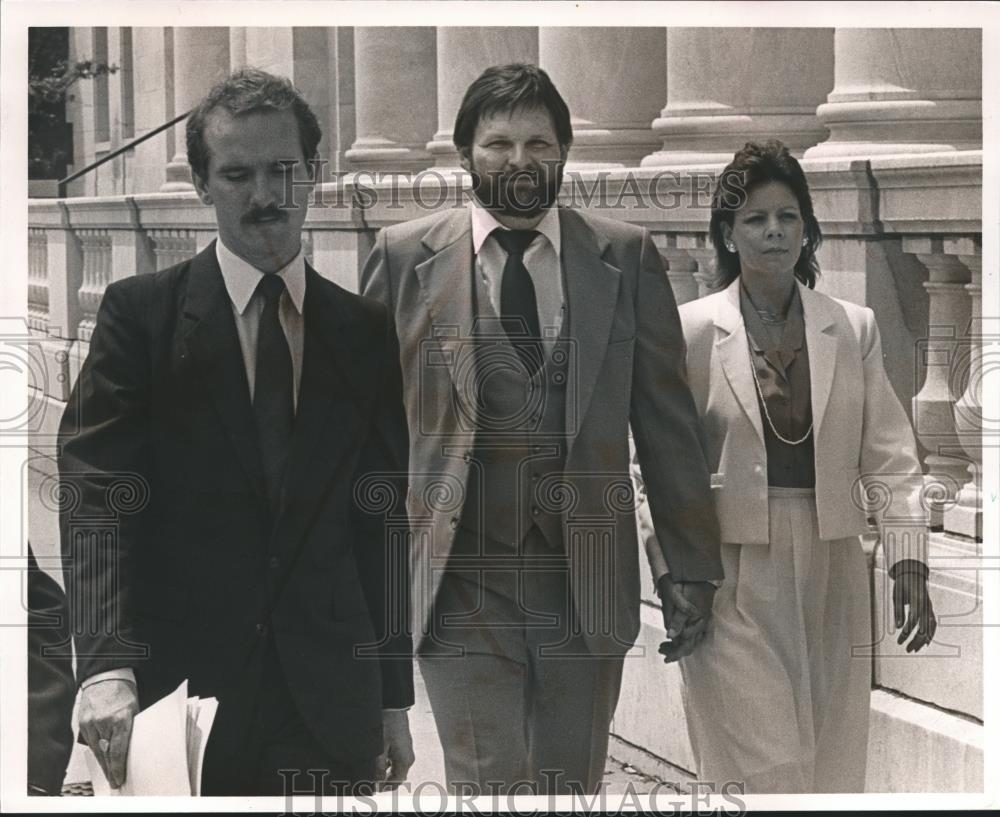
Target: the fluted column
pixel 395 95
pixel 463 53
pixel 903 90
pixel 933 406
pixel 612 80
pixel 726 86
pixel 201 58
pixel 966 517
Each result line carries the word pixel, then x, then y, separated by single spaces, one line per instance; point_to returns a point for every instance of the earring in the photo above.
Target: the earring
pixel 731 247
pixel 805 241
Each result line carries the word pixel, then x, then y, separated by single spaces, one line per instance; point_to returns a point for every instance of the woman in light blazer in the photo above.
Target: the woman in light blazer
pixel 806 438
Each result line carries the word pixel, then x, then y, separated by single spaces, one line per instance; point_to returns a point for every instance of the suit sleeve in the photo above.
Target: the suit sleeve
pixel 103 479
pixel 890 468
pixel 375 277
pixel 668 436
pixel 51 686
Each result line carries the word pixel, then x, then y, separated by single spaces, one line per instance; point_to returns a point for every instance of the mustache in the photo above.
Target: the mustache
pixel 259 214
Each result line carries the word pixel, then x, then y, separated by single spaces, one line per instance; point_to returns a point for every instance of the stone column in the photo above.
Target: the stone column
pixel 201 58
pixel 612 80
pixel 966 517
pixel 726 86
pixel 903 90
pixel 462 55
pixel 933 406
pixel 395 82
pixel 237 47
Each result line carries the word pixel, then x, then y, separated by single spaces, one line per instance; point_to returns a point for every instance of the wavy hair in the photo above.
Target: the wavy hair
pixel 752 166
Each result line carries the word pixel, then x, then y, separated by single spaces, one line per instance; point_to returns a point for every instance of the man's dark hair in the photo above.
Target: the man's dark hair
pixel 250 90
pixel 752 166
pixel 509 88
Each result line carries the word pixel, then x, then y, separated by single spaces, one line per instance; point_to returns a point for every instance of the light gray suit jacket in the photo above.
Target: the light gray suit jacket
pixel 627 365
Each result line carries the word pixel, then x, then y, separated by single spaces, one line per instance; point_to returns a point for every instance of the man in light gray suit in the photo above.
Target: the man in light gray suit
pixel 531 336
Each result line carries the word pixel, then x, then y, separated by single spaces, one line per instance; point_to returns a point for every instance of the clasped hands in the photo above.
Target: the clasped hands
pixel 687 610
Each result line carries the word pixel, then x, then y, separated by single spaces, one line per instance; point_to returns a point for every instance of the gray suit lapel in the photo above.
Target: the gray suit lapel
pixel 446 285
pixel 592 286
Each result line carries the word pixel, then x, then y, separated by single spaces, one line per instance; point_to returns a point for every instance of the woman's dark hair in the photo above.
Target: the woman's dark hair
pixel 250 90
pixel 508 88
pixel 756 164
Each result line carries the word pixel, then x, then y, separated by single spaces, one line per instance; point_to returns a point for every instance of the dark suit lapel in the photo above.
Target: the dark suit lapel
pixel 592 295
pixel 210 335
pixel 335 383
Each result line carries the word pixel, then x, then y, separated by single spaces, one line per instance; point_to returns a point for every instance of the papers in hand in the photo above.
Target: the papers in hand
pixel 166 750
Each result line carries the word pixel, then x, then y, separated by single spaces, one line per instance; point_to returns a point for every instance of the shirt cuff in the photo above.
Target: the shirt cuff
pixel 121 674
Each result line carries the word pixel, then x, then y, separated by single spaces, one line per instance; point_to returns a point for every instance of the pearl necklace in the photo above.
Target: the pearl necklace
pixel 763 402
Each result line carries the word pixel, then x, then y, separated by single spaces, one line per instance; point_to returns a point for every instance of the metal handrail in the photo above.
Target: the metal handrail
pixel 108 157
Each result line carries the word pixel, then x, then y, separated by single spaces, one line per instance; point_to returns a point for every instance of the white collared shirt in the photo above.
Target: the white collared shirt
pixel 241 279
pixel 542 260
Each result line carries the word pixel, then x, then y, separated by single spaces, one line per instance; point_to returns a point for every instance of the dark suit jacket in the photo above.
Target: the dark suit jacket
pixel 160 432
pixel 51 687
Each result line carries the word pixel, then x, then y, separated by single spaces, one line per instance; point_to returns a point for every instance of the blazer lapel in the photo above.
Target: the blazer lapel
pixel 446 284
pixel 333 381
pixel 592 286
pixel 735 356
pixel 821 343
pixel 210 336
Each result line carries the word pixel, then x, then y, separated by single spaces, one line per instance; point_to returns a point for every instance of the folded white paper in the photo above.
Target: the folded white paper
pixel 166 750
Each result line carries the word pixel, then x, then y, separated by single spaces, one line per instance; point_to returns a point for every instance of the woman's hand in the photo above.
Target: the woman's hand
pixel 910 590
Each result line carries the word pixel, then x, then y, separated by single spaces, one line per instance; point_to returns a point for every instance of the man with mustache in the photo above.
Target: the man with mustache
pixel 245 398
pixel 531 336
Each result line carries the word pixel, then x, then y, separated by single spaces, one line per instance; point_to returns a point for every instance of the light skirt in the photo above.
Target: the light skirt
pixel 777 696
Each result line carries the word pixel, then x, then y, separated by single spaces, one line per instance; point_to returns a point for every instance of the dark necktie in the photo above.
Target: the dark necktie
pixel 273 404
pixel 518 306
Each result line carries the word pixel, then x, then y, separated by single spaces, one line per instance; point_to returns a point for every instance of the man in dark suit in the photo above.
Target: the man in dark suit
pixel 247 401
pixel 531 337
pixel 51 685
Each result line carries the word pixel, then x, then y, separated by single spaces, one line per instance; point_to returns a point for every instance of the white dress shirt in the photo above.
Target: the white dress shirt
pixel 241 280
pixel 542 259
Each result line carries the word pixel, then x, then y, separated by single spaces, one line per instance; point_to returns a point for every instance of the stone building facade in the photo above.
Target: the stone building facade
pixel 888 123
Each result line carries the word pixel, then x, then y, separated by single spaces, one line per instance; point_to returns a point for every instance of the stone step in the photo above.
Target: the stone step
pixel 913 747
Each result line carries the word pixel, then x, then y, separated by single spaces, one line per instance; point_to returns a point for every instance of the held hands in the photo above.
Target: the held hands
pixel 394 763
pixel 106 712
pixel 687 610
pixel 910 590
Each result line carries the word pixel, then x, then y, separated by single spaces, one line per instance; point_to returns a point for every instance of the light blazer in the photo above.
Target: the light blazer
pixel 162 405
pixel 628 365
pixel 864 447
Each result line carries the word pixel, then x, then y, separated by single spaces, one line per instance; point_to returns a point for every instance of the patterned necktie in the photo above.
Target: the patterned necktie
pixel 518 306
pixel 273 404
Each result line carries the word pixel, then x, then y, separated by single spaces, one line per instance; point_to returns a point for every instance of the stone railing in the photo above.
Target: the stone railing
pixel 902 235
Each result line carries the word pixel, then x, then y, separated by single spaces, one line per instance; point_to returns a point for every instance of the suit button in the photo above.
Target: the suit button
pixel 261 629
pixel 272 562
